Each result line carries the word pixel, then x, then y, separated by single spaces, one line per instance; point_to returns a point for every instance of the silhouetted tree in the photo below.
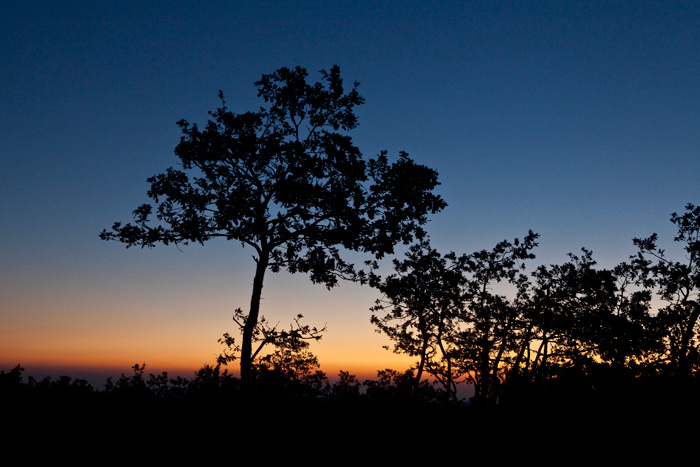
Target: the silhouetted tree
pixel 290 361
pixel 12 379
pixel 444 310
pixel 210 381
pixel 394 388
pixel 134 386
pixel 491 322
pixel 585 327
pixel 287 181
pixel 419 310
pixel 678 284
pixel 570 303
pixel 347 389
pixel 635 337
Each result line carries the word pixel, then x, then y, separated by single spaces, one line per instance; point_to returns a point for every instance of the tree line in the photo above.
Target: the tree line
pixel 480 318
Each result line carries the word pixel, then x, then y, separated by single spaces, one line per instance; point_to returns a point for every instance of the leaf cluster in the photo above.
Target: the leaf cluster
pixel 287 181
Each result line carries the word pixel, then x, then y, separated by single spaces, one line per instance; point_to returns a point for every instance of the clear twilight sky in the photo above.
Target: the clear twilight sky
pixel 578 120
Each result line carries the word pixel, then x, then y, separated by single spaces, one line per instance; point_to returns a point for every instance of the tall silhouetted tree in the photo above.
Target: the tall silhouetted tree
pixel 287 181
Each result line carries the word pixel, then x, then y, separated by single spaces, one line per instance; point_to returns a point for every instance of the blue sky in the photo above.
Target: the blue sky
pixel 578 120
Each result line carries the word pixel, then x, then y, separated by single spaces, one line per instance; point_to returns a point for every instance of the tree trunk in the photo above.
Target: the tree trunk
pixel 683 363
pixel 524 346
pixel 449 384
pixel 421 364
pixel 252 322
pixel 425 336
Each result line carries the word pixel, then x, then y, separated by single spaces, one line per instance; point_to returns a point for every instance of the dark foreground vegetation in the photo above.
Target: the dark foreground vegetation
pixel 602 406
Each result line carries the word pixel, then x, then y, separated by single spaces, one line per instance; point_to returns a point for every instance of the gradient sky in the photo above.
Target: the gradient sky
pixel 578 120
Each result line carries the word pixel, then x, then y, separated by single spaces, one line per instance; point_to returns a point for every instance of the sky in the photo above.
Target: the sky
pixel 579 120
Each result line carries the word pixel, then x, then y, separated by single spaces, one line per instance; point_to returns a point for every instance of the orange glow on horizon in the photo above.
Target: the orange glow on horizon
pixel 77 364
